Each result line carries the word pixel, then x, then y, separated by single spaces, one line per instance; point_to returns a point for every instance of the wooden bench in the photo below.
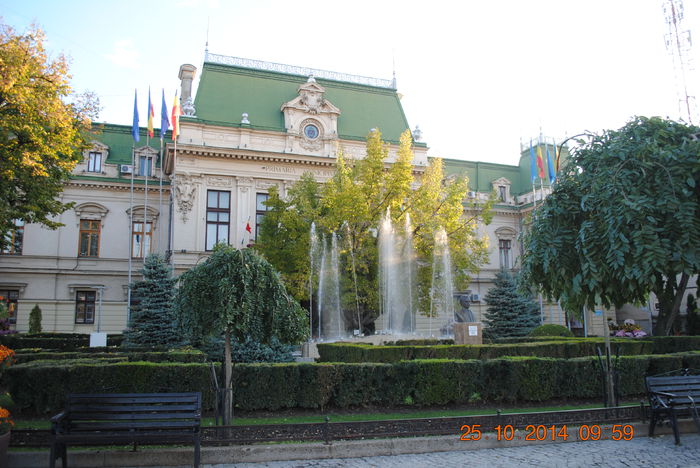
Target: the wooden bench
pixel 671 395
pixel 127 418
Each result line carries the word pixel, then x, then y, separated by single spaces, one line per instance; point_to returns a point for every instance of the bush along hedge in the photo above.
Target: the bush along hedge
pixel 53 341
pixel 345 352
pixel 40 388
pixel 545 348
pixel 131 356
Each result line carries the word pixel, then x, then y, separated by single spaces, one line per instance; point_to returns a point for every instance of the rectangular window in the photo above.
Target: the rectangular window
pixel 141 239
pixel 502 192
pixel 260 210
pixel 145 165
pixel 94 162
pixel 15 239
pixel 89 238
pixel 10 297
pixel 218 214
pixel 504 253
pixel 85 306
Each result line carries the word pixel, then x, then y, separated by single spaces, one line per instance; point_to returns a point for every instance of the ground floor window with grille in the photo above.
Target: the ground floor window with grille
pixel 141 239
pixel 504 253
pixel 89 238
pixel 85 306
pixel 10 297
pixel 218 217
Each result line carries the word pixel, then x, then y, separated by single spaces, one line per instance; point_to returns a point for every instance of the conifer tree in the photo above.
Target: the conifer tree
pixel 153 321
pixel 35 319
pixel 508 313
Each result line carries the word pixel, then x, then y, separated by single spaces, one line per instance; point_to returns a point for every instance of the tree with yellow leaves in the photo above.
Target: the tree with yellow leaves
pixel 41 133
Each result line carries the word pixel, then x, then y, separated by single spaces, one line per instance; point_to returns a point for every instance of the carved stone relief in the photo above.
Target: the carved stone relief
pixel 185 194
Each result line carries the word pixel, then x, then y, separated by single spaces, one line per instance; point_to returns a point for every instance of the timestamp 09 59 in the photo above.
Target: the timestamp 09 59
pixel 554 433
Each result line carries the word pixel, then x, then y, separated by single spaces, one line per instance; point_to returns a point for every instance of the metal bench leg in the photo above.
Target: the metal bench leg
pixel 652 423
pixel 52 456
pixel 674 424
pixel 196 453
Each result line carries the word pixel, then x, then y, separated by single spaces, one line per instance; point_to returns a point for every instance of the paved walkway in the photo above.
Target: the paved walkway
pixel 640 451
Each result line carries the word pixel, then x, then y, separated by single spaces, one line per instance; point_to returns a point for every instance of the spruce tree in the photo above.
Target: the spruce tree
pixel 153 322
pixel 508 313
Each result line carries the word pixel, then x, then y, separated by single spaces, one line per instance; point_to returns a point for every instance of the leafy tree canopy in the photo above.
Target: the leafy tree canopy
pixel 623 220
pixel 41 134
pixel 352 203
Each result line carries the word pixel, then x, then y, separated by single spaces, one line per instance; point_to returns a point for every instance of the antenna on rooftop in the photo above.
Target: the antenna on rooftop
pixel 679 46
pixel 206 44
pixel 393 68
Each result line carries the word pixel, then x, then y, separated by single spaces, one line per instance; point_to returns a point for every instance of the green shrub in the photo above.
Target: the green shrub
pixel 35 320
pixel 551 329
pixel 41 386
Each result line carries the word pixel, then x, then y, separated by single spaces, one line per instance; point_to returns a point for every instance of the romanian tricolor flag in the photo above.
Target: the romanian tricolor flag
pixel 175 118
pixel 540 162
pixel 150 114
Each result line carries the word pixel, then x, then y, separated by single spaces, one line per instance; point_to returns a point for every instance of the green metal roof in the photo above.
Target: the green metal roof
pixel 120 142
pixel 225 92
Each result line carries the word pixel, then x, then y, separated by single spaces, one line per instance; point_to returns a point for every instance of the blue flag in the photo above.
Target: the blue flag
pixel 164 123
pixel 135 127
pixel 533 164
pixel 550 165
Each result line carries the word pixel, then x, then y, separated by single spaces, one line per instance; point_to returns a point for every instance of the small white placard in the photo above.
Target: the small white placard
pixel 473 330
pixel 98 339
pixel 356 332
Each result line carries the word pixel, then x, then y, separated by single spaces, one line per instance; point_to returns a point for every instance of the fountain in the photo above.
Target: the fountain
pixel 331 322
pixel 442 308
pixel 395 277
pixel 396 280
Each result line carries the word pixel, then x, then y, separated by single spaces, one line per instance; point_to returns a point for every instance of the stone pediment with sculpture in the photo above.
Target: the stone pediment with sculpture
pixel 310 119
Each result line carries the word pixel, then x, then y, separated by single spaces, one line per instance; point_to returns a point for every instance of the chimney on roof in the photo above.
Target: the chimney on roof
pixel 186 76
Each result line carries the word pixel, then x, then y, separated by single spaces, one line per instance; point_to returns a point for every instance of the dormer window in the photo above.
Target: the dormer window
pixel 94 161
pixel 146 166
pixel 502 188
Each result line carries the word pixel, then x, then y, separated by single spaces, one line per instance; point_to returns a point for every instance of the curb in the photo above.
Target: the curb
pixel 181 457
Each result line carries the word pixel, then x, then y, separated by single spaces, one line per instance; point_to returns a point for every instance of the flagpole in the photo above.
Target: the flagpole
pixel 135 130
pixel 131 224
pixel 160 196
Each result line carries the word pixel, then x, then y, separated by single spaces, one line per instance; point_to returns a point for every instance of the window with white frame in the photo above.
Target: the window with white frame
pixel 14 239
pixel 218 217
pixel 146 166
pixel 504 253
pixel 94 161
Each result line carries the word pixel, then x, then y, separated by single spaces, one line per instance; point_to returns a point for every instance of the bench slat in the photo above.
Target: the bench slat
pixel 128 425
pixel 134 416
pixel 121 407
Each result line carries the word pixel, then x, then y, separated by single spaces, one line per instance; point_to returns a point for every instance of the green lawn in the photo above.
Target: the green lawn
pixel 346 417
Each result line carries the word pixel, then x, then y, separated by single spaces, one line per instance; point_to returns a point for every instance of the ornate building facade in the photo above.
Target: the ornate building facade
pixel 251 125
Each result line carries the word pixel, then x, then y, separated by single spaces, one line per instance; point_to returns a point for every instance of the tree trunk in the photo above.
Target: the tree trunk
pixel 228 377
pixel 670 305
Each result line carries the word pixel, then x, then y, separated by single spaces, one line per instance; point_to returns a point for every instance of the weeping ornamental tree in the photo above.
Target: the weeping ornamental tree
pixel 239 294
pixel 508 313
pixel 623 220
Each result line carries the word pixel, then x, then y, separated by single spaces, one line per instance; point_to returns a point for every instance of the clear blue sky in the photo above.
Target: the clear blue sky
pixel 477 76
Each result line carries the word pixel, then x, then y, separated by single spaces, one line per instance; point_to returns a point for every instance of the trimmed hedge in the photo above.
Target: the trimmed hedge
pixel 42 388
pixel 543 347
pixel 346 352
pixel 132 356
pixel 53 341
